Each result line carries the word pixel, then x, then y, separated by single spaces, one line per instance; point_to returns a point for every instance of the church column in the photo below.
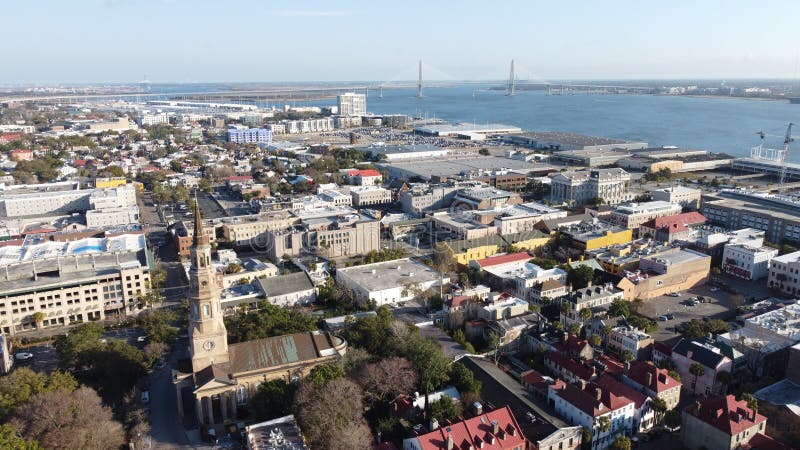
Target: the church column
pixel 199 409
pixel 223 405
pixel 210 405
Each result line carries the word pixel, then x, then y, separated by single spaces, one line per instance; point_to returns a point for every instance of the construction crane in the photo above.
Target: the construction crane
pixel 782 155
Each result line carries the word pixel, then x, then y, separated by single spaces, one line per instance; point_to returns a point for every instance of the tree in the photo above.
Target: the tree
pixel 580 277
pixel 10 440
pixel 38 318
pixel 430 362
pixel 674 374
pixel 20 385
pixel 698 370
pixel 595 340
pixel 619 307
pixel 443 258
pixel 627 355
pixel 604 423
pixel 154 351
pixel 113 367
pixel 585 314
pixel 204 185
pixel 272 399
pixel 332 413
pixel 69 420
pixel 751 400
pixel 269 320
pixel 444 409
pixel 78 340
pixel 586 438
pixel 387 378
pixel 701 328
pixel 323 373
pixel 484 152
pixel 622 442
pixel 659 406
pixel 574 328
pixel 463 379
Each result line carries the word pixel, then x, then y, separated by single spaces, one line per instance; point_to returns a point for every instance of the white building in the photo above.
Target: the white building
pixel 589 407
pixel 153 119
pixel 626 337
pixel 109 217
pixel 578 188
pixel 784 273
pixel 370 195
pixel 249 135
pixel 748 262
pixel 390 282
pixel 680 195
pixel 351 104
pixel 633 215
pixel 523 217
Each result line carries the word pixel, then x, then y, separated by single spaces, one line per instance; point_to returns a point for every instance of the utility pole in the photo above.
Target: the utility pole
pixel 419 84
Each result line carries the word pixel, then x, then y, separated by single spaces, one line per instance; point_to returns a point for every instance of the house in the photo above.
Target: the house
pixel 686 353
pixel 289 290
pixel 493 430
pixel 367 177
pixel 568 369
pixel 643 413
pixel 626 337
pixel 649 379
pixel 593 407
pixel 720 423
pixel 672 228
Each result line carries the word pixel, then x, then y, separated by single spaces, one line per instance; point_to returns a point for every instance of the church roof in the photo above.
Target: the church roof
pixel 281 350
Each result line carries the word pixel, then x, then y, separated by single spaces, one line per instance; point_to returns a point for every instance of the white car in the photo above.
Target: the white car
pixel 714 289
pixel 145 396
pixel 23 356
pixel 141 339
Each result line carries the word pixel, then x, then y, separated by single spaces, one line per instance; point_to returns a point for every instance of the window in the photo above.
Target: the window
pixel 206 310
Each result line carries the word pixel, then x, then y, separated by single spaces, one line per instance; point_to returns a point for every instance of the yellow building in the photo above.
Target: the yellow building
pixel 465 250
pixel 109 182
pixel 597 234
pixel 530 240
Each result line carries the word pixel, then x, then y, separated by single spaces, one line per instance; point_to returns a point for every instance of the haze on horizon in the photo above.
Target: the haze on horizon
pixel 91 41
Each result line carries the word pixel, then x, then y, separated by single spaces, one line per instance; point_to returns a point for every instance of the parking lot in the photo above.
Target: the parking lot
pixel 718 305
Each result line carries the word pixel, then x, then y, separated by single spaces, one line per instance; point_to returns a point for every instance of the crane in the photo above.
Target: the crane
pixel 781 156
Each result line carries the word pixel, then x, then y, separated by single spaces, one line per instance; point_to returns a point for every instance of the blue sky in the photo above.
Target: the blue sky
pixel 206 41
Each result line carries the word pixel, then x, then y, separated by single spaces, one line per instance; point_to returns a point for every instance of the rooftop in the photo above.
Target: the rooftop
pixel 382 275
pixel 277 434
pixel 282 350
pixel 646 207
pixel 285 284
pixel 659 379
pixel 725 413
pixel 632 333
pixel 574 139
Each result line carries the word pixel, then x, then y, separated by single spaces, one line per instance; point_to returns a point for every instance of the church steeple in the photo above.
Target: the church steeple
pixel 208 336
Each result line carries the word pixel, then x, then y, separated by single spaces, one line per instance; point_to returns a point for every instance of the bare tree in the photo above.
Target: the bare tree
pixel 69 420
pixel 331 411
pixel 155 350
pixel 387 378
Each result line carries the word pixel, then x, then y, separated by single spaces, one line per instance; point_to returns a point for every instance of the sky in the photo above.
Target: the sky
pixel 92 41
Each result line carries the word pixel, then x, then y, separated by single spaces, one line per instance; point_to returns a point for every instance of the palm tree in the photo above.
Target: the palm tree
pixel 659 407
pixel 585 314
pixel 698 370
pixel 627 355
pixel 38 318
pixel 604 424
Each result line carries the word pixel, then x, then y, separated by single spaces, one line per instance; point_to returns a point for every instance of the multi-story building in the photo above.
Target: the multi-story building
pixel 520 218
pixel 63 198
pixel 672 270
pixel 633 215
pixel 688 198
pixel 365 177
pixel 647 378
pixel 244 230
pixel 643 413
pixel 351 104
pixel 460 226
pixel 784 273
pixel 370 195
pixel 596 298
pixel 249 135
pixel 777 216
pixel 593 234
pixel 748 262
pixel 672 228
pixel 686 353
pixel 626 337
pixel 336 198
pixel 282 432
pixel 721 423
pixel 153 119
pixel 73 281
pixel 497 429
pixel 589 407
pixel 618 259
pixel 422 198
pixel 579 188
pixel 483 198
pixel 390 282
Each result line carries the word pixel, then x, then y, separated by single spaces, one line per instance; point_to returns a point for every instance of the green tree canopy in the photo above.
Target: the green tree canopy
pixel 618 308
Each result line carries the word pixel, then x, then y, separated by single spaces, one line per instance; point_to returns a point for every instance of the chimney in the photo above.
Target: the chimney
pixel 598 394
pixel 627 368
pixel 434 424
pixel 495 427
pixel 697 406
pixel 565 337
pixel 649 379
pixel 449 442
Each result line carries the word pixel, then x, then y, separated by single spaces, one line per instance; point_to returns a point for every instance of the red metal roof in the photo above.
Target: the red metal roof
pixel 764 442
pixel 676 223
pixel 586 399
pixel 469 433
pixel 725 413
pixel 660 380
pixel 503 259
pixel 364 173
pixel 574 367
pixel 609 383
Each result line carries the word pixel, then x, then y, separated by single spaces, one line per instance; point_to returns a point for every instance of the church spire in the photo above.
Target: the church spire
pixel 200 237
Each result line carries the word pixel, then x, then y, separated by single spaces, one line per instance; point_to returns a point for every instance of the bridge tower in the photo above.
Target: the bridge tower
pixel 419 84
pixel 512 82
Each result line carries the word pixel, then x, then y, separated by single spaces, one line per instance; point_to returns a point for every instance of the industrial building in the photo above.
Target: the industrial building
pixel 471 131
pixel 559 141
pixel 444 167
pixel 778 216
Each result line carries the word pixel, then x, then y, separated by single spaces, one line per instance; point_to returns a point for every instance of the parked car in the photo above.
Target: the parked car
pixel 674 294
pixel 714 289
pixel 141 339
pixel 145 396
pixel 670 316
pixel 23 356
pixel 663 318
